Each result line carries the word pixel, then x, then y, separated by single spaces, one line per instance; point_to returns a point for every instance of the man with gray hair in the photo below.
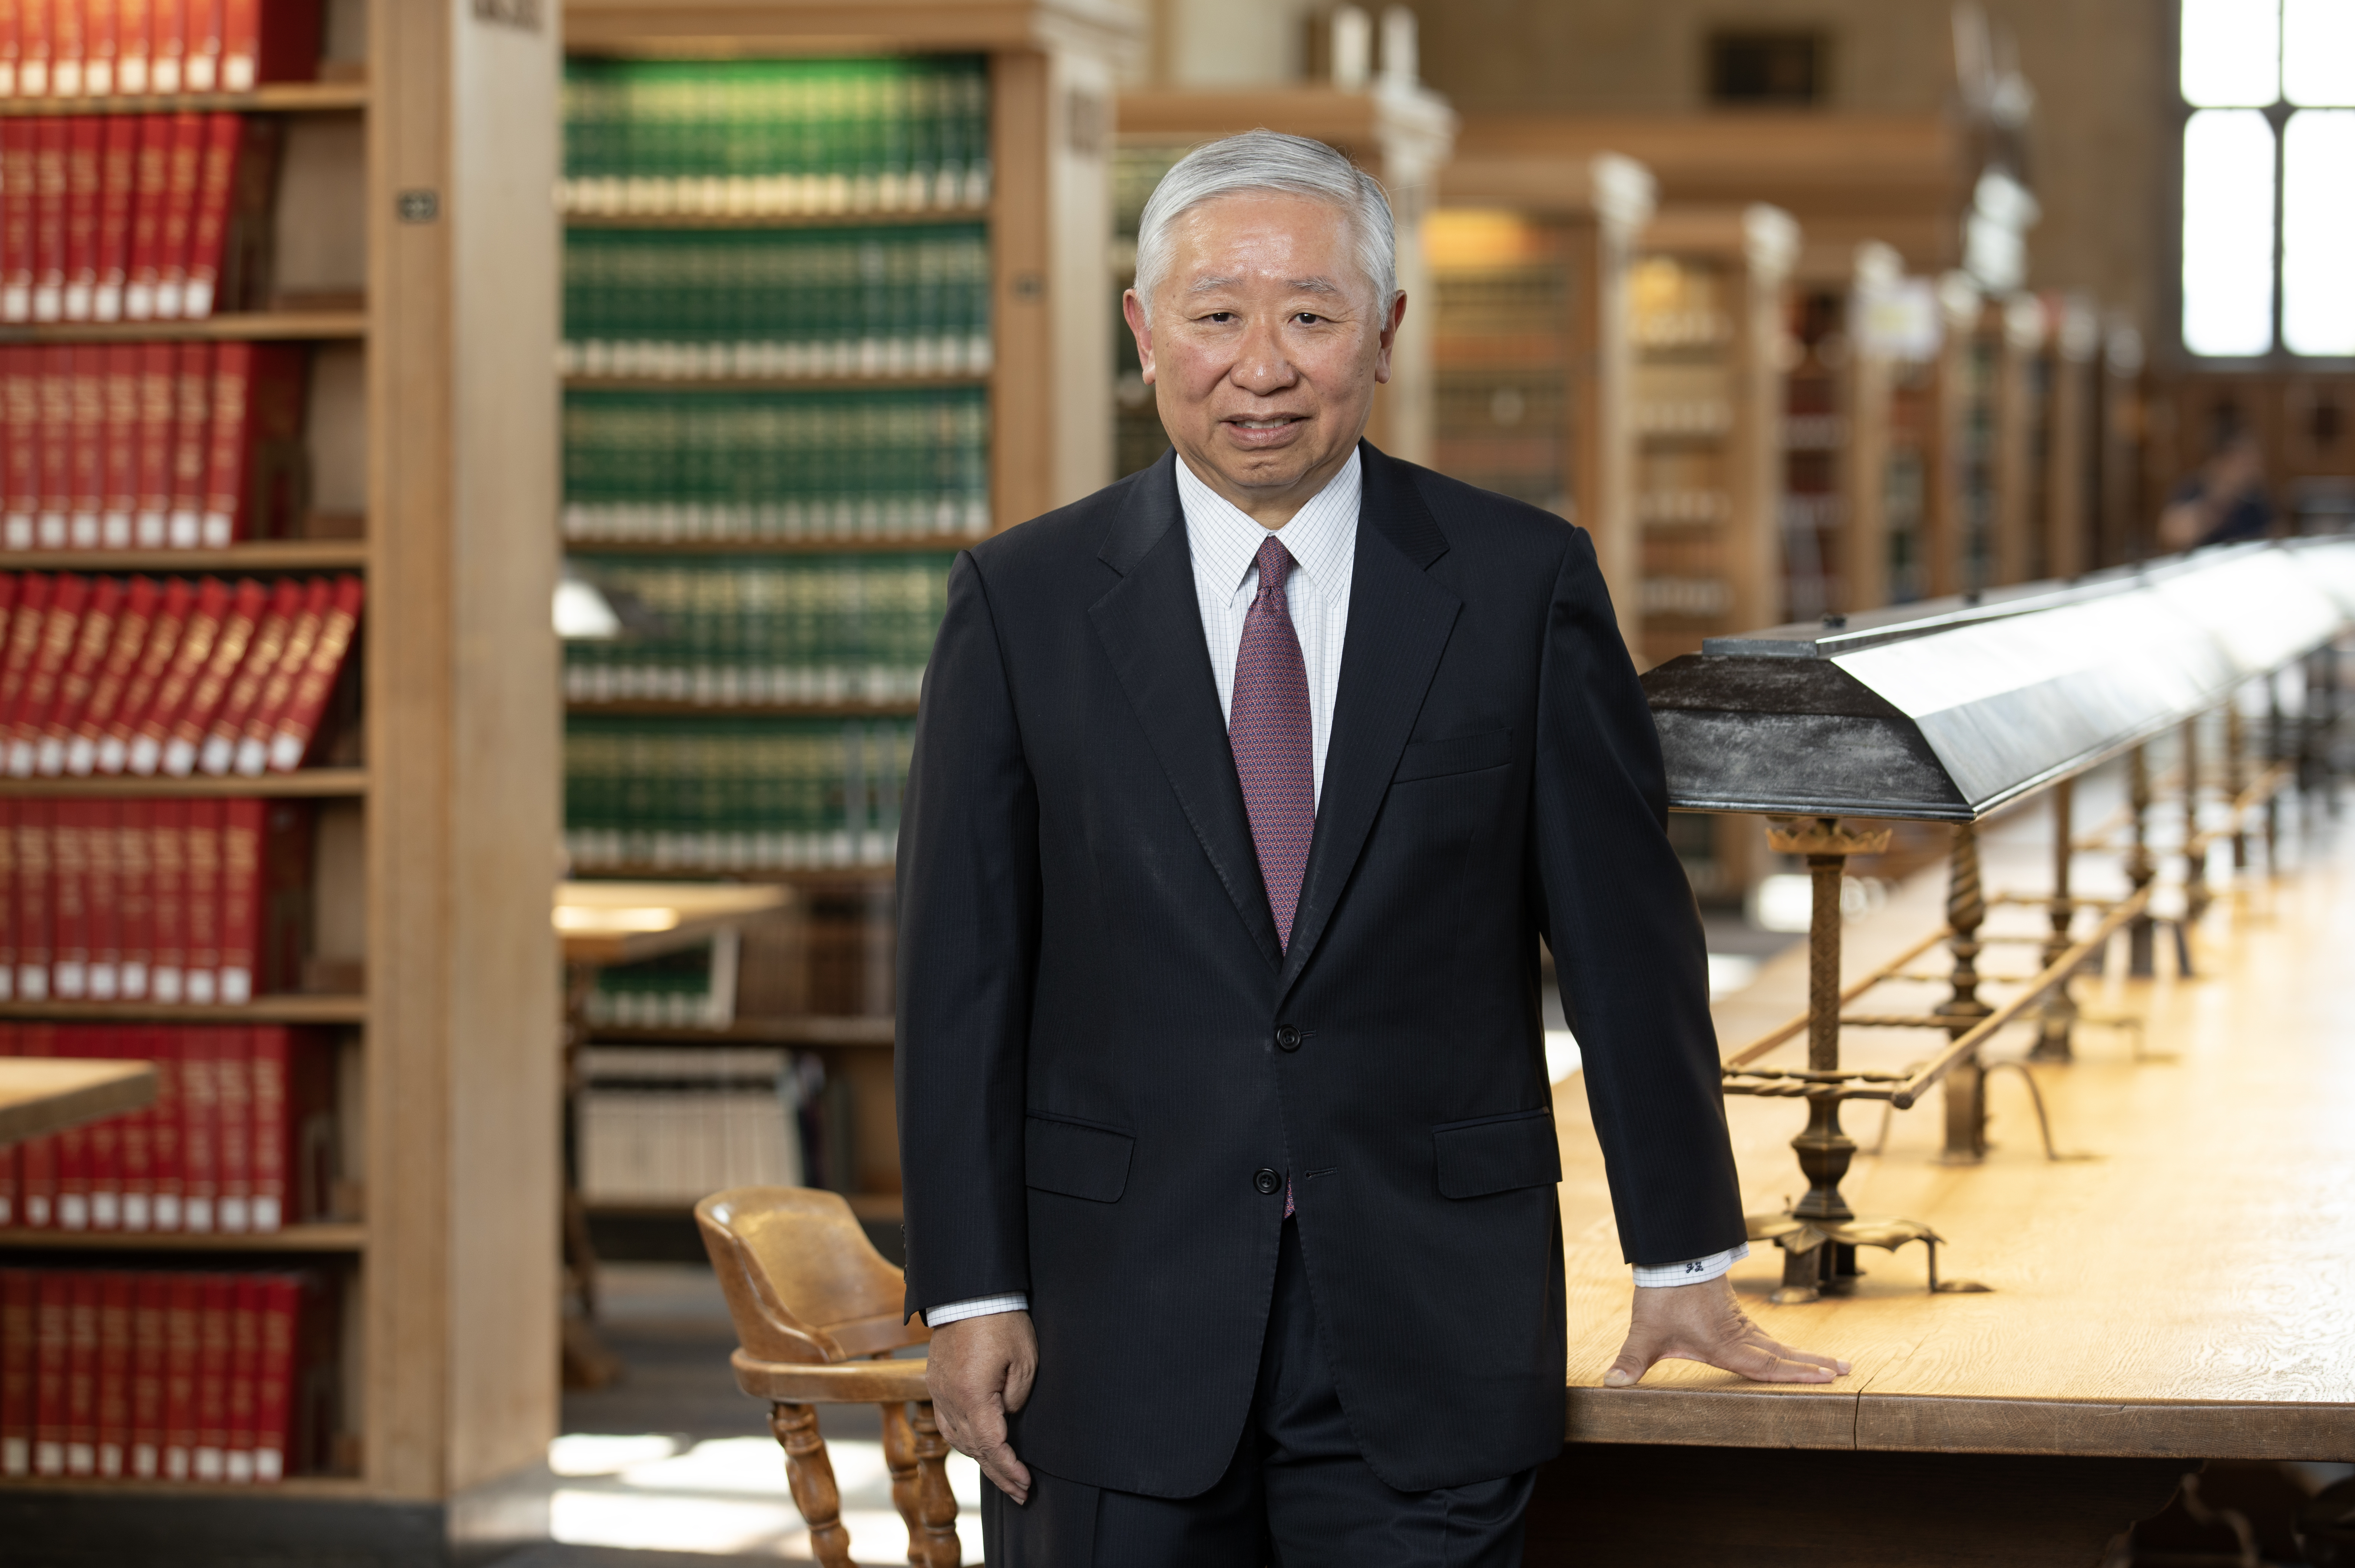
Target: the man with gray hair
pixel 1244 791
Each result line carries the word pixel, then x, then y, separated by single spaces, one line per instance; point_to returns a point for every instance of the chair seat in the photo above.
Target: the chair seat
pixel 839 1382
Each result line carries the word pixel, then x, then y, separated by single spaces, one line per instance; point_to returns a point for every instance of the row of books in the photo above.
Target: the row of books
pixel 722 630
pixel 112 674
pixel 900 301
pixel 776 138
pixel 156 901
pixel 150 445
pixel 733 794
pixel 137 218
pixel 671 1125
pixel 238 1141
pixel 694 988
pixel 103 48
pixel 663 466
pixel 144 1375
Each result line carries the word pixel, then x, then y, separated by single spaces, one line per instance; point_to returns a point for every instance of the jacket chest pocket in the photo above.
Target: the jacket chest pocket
pixel 1454 754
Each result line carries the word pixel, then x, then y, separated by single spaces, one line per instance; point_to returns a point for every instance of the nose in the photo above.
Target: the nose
pixel 1262 367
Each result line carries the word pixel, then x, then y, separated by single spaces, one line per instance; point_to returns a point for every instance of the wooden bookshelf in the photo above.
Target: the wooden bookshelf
pixel 269 97
pixel 809 1029
pixel 256 556
pixel 644 708
pixel 321 783
pixel 871 218
pixel 311 1238
pixel 768 383
pixel 910 544
pixel 274 325
pixel 293 1009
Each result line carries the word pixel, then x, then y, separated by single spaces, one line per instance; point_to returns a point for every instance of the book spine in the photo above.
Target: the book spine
pixel 50 136
pixel 45 733
pixel 19 1331
pixel 202 71
pixel 66 20
pixel 138 1185
pixel 100 42
pixel 50 527
pixel 8 900
pixel 34 819
pixel 274 1402
pixel 32 49
pixel 225 473
pixel 133 623
pixel 21 405
pixel 240 899
pixel 134 898
pixel 17 138
pixel 12 44
pixel 267 1054
pixel 72 1146
pixel 291 733
pixel 52 1351
pixel 244 1377
pixel 224 135
pixel 167 883
pixel 102 841
pixel 86 466
pixel 118 181
pixel 192 401
pixel 200 1130
pixel 233 1074
pixel 251 489
pixel 25 625
pixel 122 447
pixel 151 184
pixel 105 1143
pixel 114 1340
pixel 193 652
pixel 9 1202
pixel 167 1048
pixel 179 735
pixel 37 1180
pixel 85 145
pixel 133 28
pixel 27 711
pixel 262 659
pixel 150 1340
pixel 269 705
pixel 68 903
pixel 158 407
pixel 183 173
pixel 200 968
pixel 217 1334
pixel 82 1374
pixel 182 1340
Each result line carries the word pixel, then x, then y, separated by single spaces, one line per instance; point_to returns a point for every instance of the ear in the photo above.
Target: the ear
pixel 1132 309
pixel 1389 337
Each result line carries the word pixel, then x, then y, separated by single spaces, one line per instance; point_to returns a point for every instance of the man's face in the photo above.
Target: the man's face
pixel 1264 348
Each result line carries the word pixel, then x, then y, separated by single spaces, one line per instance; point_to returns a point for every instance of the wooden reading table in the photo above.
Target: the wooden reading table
pixel 41 1095
pixel 2185 1292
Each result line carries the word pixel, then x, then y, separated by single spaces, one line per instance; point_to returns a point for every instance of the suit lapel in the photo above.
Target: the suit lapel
pixel 1400 620
pixel 1151 628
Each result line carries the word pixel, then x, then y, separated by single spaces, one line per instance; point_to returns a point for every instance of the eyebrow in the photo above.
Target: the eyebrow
pixel 1318 285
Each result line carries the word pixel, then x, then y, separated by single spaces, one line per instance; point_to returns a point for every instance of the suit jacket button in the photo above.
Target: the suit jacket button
pixel 1288 1037
pixel 1268 1181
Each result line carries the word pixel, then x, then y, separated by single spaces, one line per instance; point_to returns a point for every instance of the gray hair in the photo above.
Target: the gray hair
pixel 1269 161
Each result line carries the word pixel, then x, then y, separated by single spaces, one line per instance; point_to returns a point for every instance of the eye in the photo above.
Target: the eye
pixel 1222 317
pixel 1307 318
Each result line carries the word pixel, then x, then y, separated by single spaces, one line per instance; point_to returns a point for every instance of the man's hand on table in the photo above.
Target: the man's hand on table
pixel 979 1369
pixel 1704 1323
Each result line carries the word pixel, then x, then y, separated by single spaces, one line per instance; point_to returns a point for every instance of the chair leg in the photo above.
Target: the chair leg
pixel 932 1527
pixel 810 1474
pixel 899 1458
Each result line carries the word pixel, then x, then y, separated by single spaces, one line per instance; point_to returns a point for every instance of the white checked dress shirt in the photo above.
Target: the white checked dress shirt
pixel 1322 540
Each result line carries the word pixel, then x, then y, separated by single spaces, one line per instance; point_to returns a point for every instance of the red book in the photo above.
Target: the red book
pixel 8 901
pixel 19 1330
pixel 135 902
pixel 85 140
pixel 66 18
pixel 192 404
pixel 216 1343
pixel 302 636
pixel 167 42
pixel 32 49
pixel 47 732
pixel 115 1298
pixel 73 1142
pixel 69 902
pixel 12 39
pixel 37 1178
pixel 273 1400
pixel 201 967
pixel 166 1046
pixel 151 183
pixel 273 642
pixel 86 466
pixel 49 525
pixel 293 728
pixel 216 176
pixel 267 1063
pixel 112 719
pixel 104 1146
pixel 184 1333
pixel 133 25
pixel 244 1375
pixel 240 899
pixel 202 72
pixel 26 622
pixel 182 176
pixel 98 42
pixel 167 901
pixel 151 1308
pixel 27 710
pixel 214 608
pixel 137 1186
pixel 257 411
pixel 101 838
pixel 74 732
pixel 118 178
pixel 81 1375
pixel 33 909
pixel 233 1078
pixel 52 1353
pixel 158 403
pixel 50 186
pixel 182 733
pixel 8 1203
pixel 17 223
pixel 121 499
pixel 200 1130
pixel 20 404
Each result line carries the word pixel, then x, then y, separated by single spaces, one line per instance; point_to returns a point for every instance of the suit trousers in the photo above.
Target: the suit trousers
pixel 1298 1495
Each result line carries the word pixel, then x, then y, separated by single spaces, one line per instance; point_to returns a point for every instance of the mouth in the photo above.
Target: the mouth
pixel 1265 431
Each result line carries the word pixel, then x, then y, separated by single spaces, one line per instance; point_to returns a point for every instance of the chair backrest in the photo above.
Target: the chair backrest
pixel 803 1283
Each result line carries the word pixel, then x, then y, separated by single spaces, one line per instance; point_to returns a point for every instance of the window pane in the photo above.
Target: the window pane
pixel 2318 233
pixel 2231 53
pixel 2227 232
pixel 2319 52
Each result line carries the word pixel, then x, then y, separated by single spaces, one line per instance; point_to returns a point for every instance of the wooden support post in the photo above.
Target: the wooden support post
pixel 916 1455
pixel 2059 1015
pixel 2195 853
pixel 810 1474
pixel 2140 867
pixel 1966 1085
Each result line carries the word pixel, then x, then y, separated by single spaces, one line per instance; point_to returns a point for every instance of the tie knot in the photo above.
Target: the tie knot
pixel 1274 565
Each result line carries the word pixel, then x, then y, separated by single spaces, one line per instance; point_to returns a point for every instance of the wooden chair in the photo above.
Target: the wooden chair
pixel 817 1315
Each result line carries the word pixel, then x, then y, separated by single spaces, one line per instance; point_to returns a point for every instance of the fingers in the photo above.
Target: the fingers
pixel 1007 1474
pixel 1636 1358
pixel 1830 1363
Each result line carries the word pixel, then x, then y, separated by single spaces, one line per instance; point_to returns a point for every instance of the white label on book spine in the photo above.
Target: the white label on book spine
pixel 236 985
pixel 265 1213
pixel 33 982
pixel 200 988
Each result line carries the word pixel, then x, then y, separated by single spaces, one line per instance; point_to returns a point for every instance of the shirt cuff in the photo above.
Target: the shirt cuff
pixel 977 1306
pixel 1699 1271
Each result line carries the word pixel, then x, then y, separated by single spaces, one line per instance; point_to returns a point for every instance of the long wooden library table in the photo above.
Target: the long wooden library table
pixel 2185 1291
pixel 41 1094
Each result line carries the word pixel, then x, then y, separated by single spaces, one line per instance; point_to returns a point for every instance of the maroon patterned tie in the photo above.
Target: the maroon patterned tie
pixel 1268 730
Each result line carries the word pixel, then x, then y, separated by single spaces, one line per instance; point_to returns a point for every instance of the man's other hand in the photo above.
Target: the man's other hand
pixel 1704 1323
pixel 980 1369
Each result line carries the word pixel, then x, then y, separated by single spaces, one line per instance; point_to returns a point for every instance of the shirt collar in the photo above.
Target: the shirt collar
pixel 1225 539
